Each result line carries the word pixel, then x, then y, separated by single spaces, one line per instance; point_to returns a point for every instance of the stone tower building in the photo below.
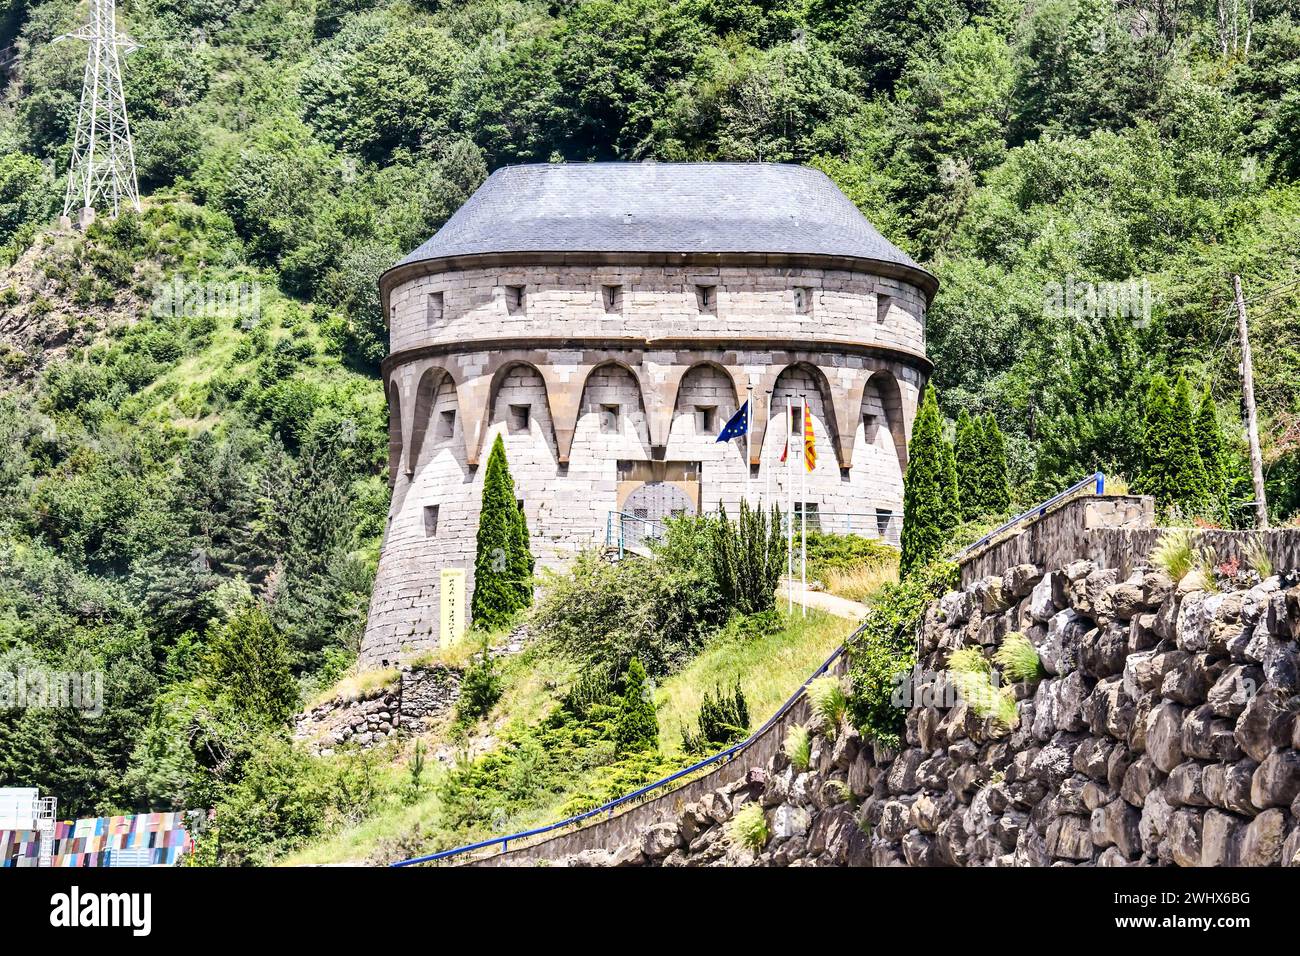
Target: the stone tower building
pixel 607 319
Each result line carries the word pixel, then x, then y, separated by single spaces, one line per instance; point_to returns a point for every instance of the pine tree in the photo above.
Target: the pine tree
pixel 503 563
pixel 248 662
pixel 637 728
pixel 1209 442
pixel 967 448
pixel 1192 491
pixel 924 506
pixel 996 495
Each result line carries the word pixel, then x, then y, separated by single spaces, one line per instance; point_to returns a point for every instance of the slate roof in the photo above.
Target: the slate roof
pixel 659 207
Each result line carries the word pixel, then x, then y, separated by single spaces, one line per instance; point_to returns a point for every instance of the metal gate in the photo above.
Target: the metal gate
pixel 652 502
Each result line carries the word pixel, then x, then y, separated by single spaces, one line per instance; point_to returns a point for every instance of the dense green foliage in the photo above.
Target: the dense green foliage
pixel 503 563
pixel 723 720
pixel 1182 452
pixel 884 653
pixel 636 728
pixel 480 688
pixel 749 558
pixel 929 489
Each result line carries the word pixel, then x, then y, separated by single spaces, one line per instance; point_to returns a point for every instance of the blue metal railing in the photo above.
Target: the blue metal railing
pixel 608 808
pixel 623 530
pixel 1038 510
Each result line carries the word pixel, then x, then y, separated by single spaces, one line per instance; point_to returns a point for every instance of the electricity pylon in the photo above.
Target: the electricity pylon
pixel 103 159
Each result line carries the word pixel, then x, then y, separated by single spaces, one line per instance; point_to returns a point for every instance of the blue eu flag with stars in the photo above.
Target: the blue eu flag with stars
pixel 738 425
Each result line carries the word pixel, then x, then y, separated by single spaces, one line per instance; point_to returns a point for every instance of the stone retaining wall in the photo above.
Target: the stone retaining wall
pixel 1112 531
pixel 367 720
pixel 1165 730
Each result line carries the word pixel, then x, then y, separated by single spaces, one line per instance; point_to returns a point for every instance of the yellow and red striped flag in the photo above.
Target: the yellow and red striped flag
pixel 809 442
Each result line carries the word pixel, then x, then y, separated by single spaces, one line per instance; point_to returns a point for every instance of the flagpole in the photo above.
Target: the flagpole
pixel 789 510
pixel 767 472
pixel 803 525
pixel 749 427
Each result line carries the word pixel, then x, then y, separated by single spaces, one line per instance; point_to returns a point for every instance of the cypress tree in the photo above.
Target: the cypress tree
pixel 924 529
pixel 951 491
pixel 996 497
pixel 968 451
pixel 1209 442
pixel 1191 488
pixel 637 728
pixel 1154 477
pixel 502 562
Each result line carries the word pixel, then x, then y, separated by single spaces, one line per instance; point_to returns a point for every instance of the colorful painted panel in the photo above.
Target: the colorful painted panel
pixel 90 842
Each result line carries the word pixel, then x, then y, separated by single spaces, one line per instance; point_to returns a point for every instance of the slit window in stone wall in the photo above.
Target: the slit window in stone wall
pixel 430 520
pixel 882 307
pixel 447 423
pixel 612 296
pixel 803 300
pixel 519 418
pixel 883 517
pixel 706 419
pixel 516 299
pixel 870 425
pixel 434 310
pixel 706 298
pixel 609 419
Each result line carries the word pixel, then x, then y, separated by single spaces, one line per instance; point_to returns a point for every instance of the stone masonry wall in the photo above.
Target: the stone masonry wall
pixel 367 720
pixel 656 302
pixel 1165 732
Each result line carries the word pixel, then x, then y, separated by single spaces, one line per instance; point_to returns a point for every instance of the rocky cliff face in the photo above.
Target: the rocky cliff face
pixel 1165 732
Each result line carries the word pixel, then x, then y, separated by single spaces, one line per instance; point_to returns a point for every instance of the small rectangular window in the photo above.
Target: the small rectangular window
pixel 435 308
pixel 706 418
pixel 519 417
pixel 811 508
pixel 612 295
pixel 882 307
pixel 803 300
pixel 519 502
pixel 430 520
pixel 515 299
pixel 706 297
pixel 609 419
pixel 447 423
pixel 869 426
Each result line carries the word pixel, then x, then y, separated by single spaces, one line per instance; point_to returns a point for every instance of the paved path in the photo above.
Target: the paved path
pixel 822 601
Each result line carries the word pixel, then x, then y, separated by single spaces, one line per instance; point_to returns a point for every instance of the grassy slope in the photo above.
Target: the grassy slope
pixel 769 667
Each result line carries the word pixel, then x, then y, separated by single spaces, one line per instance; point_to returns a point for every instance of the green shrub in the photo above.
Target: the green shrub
pixel 749 558
pixel 637 728
pixel 723 720
pixel 748 827
pixel 828 702
pixel 968 660
pixel 798 746
pixel 885 651
pixel 1175 552
pixel 480 688
pixel 1018 659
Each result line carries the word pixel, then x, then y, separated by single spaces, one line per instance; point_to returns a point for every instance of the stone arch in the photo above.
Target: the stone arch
pixel 890 396
pixel 523 380
pixel 706 383
pixel 804 378
pixel 615 383
pixel 426 391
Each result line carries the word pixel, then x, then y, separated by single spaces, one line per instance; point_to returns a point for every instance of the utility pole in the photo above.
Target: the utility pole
pixel 103 157
pixel 1248 393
